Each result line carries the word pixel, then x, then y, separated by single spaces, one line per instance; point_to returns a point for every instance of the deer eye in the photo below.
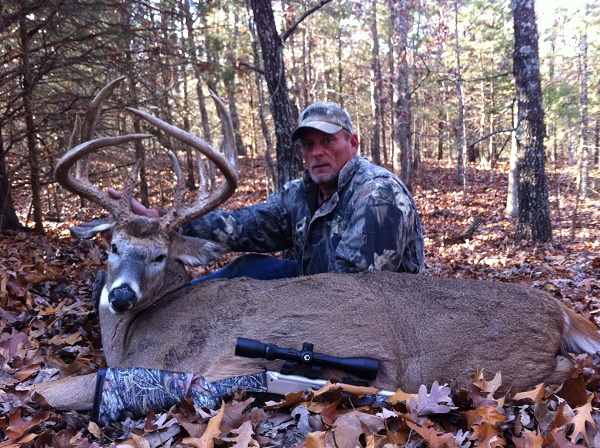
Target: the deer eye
pixel 114 249
pixel 160 259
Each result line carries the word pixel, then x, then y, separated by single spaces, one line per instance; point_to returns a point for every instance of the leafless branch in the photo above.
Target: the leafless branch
pixel 306 13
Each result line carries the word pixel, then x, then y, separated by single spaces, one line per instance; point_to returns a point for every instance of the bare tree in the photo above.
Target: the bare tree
pixel 29 107
pixel 584 146
pixel 512 197
pixel 271 42
pixel 461 144
pixel 375 87
pixel 8 215
pixel 533 222
pixel 402 127
pixel 288 156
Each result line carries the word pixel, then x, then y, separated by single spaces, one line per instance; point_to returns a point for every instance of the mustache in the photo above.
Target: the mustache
pixel 320 162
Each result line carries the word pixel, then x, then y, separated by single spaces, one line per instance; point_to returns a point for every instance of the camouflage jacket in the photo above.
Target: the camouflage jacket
pixel 370 223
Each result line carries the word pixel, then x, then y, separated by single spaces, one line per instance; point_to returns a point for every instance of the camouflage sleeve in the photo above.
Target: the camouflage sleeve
pixel 256 228
pixel 383 232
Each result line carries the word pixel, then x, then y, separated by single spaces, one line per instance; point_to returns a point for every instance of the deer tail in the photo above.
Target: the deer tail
pixel 580 335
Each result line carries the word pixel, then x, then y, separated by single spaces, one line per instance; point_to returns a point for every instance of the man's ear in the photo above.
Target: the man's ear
pixel 354 143
pixel 196 251
pixel 88 230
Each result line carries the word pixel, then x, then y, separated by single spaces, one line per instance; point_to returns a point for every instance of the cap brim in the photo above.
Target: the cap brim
pixel 323 126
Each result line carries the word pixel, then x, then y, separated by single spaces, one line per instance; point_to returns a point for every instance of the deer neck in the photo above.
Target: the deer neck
pixel 115 327
pixel 175 277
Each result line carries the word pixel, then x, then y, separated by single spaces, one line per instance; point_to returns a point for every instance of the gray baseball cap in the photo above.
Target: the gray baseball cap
pixel 327 117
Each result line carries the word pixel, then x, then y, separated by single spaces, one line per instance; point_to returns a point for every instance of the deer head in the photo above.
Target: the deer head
pixel 145 252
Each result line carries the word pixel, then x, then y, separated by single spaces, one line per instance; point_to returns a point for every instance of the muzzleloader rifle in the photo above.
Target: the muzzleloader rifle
pixel 135 391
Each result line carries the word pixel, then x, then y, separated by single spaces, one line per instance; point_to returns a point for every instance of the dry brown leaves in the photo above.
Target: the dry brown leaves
pixel 48 330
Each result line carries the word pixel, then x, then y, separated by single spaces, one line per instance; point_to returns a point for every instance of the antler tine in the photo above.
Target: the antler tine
pixel 92 116
pixel 75 137
pixel 181 214
pixel 179 198
pixel 82 187
pixel 203 182
pixel 124 212
pixel 230 149
pixel 84 131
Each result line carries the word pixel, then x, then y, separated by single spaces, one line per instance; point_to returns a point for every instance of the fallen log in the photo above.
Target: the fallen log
pixel 467 235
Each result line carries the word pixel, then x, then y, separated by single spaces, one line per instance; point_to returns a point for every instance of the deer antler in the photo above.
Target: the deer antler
pixel 82 187
pixel 179 213
pixel 81 143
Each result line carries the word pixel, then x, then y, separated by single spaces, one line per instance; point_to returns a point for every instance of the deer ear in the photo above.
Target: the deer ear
pixel 90 229
pixel 196 251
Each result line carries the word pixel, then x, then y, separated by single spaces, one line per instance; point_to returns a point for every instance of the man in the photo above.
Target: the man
pixel 344 215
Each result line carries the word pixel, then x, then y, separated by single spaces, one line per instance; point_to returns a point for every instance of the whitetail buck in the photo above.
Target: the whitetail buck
pixel 421 328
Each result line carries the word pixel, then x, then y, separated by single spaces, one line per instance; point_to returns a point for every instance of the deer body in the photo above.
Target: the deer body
pixel 421 328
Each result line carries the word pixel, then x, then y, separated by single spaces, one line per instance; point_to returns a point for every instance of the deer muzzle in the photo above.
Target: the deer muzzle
pixel 122 298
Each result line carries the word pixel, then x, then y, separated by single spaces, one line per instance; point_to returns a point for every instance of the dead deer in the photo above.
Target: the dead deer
pixel 421 328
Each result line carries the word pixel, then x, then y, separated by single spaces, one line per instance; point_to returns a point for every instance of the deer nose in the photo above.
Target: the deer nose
pixel 122 298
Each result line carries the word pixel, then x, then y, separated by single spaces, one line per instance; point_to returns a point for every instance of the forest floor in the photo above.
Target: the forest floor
pixel 48 329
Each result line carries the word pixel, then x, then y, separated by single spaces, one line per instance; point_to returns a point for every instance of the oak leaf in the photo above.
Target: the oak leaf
pixel 244 436
pixel 529 439
pixel 212 432
pixel 436 402
pixel 315 439
pixel 434 438
pixel 583 417
pixel 487 435
pixel 536 394
pixel 401 397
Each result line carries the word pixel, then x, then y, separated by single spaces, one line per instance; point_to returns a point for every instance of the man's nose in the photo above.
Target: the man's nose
pixel 317 150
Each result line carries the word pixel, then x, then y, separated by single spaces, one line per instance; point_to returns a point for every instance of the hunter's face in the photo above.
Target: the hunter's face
pixel 326 154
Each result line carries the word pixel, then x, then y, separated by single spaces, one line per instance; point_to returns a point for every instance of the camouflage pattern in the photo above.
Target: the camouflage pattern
pixel 133 392
pixel 122 393
pixel 370 223
pixel 326 117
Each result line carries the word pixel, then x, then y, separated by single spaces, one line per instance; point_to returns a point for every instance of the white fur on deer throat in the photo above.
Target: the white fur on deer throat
pixel 104 302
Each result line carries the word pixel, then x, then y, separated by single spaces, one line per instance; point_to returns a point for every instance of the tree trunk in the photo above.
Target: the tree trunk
pixel 132 74
pixel 533 221
pixel 193 54
pixel 512 197
pixel 288 156
pixel 376 88
pixel 440 137
pixel 34 174
pixel 229 82
pixel 597 142
pixel 190 180
pixel 584 148
pixel 8 215
pixel 461 150
pixel 392 110
pixel 402 131
pixel 261 110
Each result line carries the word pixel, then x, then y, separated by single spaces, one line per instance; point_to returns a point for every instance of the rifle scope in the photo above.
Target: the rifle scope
pixel 365 368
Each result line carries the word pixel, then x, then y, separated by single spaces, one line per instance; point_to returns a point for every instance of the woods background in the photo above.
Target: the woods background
pixel 439 73
pixel 433 91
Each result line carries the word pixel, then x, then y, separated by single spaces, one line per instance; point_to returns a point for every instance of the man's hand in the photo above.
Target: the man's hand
pixel 136 206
